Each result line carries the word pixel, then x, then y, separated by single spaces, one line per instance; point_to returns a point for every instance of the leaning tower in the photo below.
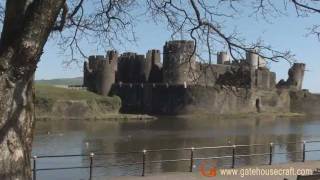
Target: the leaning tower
pixel 296 75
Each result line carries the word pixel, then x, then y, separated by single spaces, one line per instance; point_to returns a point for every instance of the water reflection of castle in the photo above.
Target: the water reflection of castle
pixel 181 84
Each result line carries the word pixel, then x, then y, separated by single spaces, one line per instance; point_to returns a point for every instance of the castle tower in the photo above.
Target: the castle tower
pixel 152 66
pixel 296 75
pixel 178 62
pixel 262 63
pixel 107 73
pixel 223 58
pixel 112 57
pixel 252 58
pixel 99 72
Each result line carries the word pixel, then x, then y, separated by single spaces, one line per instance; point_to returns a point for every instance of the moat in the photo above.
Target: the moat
pixel 83 137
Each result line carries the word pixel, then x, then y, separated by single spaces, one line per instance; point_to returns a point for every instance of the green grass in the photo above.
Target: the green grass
pixel 47 95
pixel 62 81
pixel 56 93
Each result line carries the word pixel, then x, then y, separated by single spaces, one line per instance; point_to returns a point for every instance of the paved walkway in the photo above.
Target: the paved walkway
pixel 196 175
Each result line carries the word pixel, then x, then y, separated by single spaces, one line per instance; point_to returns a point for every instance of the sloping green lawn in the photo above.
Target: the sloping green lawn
pixel 57 93
pixel 62 81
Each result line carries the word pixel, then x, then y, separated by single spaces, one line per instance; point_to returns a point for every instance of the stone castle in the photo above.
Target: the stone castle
pixel 179 84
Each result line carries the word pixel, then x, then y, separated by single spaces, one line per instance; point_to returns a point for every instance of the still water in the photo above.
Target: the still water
pixel 83 137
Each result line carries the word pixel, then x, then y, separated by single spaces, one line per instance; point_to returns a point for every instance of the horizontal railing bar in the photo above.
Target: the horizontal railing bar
pixel 298 142
pixel 251 145
pixel 63 168
pixel 117 165
pixel 62 156
pixel 315 150
pixel 213 157
pixel 213 147
pixel 169 160
pixel 313 141
pixel 86 155
pixel 291 152
pixel 174 149
pixel 113 153
pixel 248 155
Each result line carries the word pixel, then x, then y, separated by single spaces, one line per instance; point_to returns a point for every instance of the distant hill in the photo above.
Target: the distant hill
pixel 62 81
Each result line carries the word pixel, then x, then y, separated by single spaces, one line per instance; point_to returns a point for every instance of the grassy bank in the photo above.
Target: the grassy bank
pixel 55 102
pixel 57 93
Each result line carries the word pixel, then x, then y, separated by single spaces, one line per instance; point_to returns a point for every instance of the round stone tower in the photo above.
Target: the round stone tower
pixel 179 62
pixel 223 58
pixel 252 58
pixel 106 72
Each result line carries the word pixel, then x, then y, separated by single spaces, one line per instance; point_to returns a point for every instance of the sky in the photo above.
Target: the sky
pixel 282 33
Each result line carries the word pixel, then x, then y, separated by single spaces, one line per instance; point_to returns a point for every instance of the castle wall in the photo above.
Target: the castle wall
pixel 265 79
pixel 208 74
pixel 305 102
pixel 176 99
pixel 178 62
pixel 131 68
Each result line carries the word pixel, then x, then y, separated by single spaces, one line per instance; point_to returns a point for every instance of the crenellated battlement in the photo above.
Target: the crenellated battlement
pixel 179 66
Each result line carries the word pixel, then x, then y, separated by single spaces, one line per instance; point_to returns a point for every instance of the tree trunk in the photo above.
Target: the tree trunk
pixel 26 28
pixel 17 122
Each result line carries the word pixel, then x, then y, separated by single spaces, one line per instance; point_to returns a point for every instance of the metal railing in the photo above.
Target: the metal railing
pixel 191 159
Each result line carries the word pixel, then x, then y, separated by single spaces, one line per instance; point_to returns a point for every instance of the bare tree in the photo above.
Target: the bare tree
pixel 27 25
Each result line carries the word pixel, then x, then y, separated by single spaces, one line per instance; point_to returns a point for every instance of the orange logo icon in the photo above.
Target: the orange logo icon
pixel 207 173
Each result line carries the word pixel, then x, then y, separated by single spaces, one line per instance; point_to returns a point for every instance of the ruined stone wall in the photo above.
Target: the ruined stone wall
pixel 176 99
pixel 208 74
pixel 305 102
pixel 265 79
pixel 296 75
pixel 295 79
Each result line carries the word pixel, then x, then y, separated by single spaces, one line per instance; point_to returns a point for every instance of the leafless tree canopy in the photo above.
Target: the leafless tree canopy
pixel 108 22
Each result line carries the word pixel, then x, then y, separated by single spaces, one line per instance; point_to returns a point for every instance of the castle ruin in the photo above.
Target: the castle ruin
pixel 180 84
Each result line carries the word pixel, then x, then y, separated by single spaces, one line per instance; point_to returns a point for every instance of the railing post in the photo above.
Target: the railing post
pixel 91 165
pixel 233 156
pixel 304 151
pixel 34 167
pixel 144 152
pixel 191 159
pixel 270 153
